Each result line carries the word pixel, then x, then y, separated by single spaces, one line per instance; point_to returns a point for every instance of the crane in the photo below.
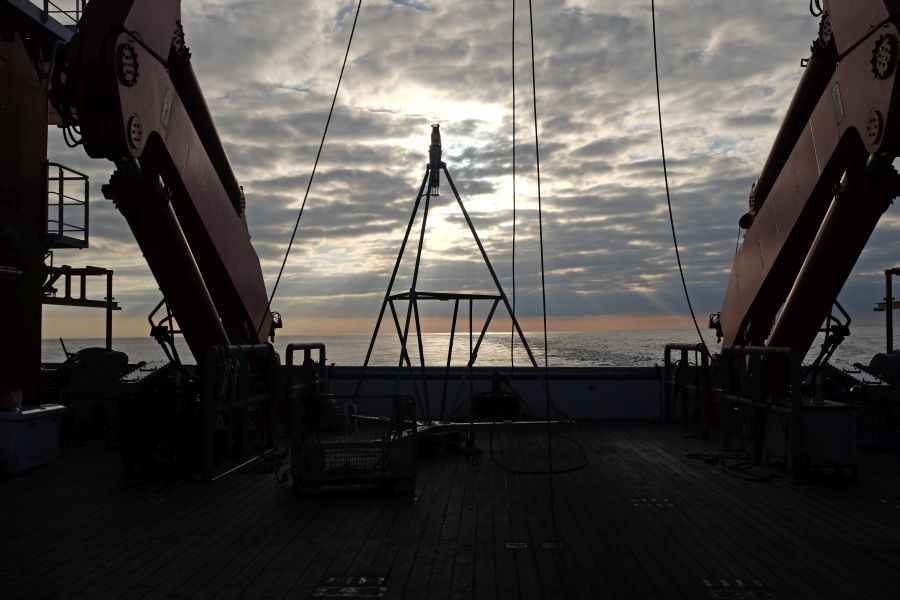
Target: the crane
pixel 826 182
pixel 127 82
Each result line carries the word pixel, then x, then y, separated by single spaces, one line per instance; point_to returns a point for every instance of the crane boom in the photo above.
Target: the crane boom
pixel 127 82
pixel 827 180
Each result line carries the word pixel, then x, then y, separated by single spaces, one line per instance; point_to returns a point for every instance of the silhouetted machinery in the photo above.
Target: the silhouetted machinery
pixel 353 439
pixel 125 80
pixel 827 181
pixel 123 87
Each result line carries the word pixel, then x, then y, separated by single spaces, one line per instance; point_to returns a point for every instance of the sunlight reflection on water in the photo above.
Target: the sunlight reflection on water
pixel 570 349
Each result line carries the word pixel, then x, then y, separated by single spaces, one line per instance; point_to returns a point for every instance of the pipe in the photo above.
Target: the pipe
pixel 864 196
pixel 142 201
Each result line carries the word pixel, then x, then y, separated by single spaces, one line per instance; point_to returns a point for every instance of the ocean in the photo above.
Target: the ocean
pixel 567 349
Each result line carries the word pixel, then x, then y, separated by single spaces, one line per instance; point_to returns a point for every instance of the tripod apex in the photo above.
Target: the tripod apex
pixel 434 159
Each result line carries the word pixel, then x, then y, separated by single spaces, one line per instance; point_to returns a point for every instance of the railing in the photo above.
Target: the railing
pixel 239 388
pixel 62 230
pixel 688 384
pixel 66 275
pixel 69 10
pixel 762 379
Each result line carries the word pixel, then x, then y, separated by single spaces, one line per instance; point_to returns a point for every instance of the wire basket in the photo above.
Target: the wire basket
pixel 348 439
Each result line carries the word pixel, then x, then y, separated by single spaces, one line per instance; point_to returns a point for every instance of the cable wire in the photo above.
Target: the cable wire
pixel 662 145
pixel 512 332
pixel 815 8
pixel 582 452
pixel 537 162
pixel 313 174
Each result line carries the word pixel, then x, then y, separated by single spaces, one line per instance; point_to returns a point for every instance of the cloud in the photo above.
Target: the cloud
pixel 268 70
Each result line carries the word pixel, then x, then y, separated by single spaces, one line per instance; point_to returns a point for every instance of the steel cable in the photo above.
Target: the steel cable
pixel 312 174
pixel 662 145
pixel 512 333
pixel 537 162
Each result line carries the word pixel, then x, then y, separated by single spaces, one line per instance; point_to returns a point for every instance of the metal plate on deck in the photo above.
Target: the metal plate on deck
pixel 351 586
pixel 737 589
pixel 655 502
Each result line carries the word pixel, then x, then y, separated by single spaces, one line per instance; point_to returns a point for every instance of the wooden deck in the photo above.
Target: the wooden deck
pixel 642 520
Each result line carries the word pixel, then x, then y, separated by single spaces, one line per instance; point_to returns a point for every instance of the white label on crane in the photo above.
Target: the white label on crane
pixel 167 108
pixel 837 103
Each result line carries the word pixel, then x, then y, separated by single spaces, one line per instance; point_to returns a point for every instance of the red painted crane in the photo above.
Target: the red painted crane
pixel 129 86
pixel 826 183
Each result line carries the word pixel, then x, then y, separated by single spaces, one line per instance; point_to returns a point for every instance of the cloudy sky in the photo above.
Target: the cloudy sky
pixel 268 69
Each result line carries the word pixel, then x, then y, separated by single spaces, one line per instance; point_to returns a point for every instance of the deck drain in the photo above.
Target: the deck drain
pixel 737 589
pixel 351 587
pixel 652 503
pixel 886 502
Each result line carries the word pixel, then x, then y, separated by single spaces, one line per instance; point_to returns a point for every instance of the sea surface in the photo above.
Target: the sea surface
pixel 569 349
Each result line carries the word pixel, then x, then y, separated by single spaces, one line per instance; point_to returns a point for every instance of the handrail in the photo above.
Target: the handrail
pixel 74 14
pixel 58 199
pixel 703 383
pixel 306 347
pixel 228 394
pixel 307 354
pixel 743 364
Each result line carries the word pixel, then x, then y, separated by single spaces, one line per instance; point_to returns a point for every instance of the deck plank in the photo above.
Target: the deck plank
pixel 228 573
pixel 470 529
pixel 789 530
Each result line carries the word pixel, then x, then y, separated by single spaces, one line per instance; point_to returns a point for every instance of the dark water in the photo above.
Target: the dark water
pixel 572 349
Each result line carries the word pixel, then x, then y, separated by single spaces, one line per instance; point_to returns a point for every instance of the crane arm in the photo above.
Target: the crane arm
pixel 825 184
pixel 129 85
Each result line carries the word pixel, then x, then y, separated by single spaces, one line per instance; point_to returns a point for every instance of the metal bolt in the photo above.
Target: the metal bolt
pixel 874 126
pixel 884 56
pixel 127 64
pixel 826 29
pixel 135 131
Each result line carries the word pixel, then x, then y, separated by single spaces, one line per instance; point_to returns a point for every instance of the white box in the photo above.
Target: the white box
pixel 829 434
pixel 30 437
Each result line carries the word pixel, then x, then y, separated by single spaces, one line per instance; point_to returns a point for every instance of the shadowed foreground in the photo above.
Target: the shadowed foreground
pixel 642 520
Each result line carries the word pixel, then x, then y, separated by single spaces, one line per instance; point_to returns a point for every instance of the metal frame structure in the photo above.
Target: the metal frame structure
pixel 745 385
pixel 164 331
pixel 365 439
pixel 681 380
pixel 239 387
pixel 73 14
pixel 67 273
pixel 25 47
pixel 836 331
pixel 429 188
pixel 888 306
pixel 60 232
